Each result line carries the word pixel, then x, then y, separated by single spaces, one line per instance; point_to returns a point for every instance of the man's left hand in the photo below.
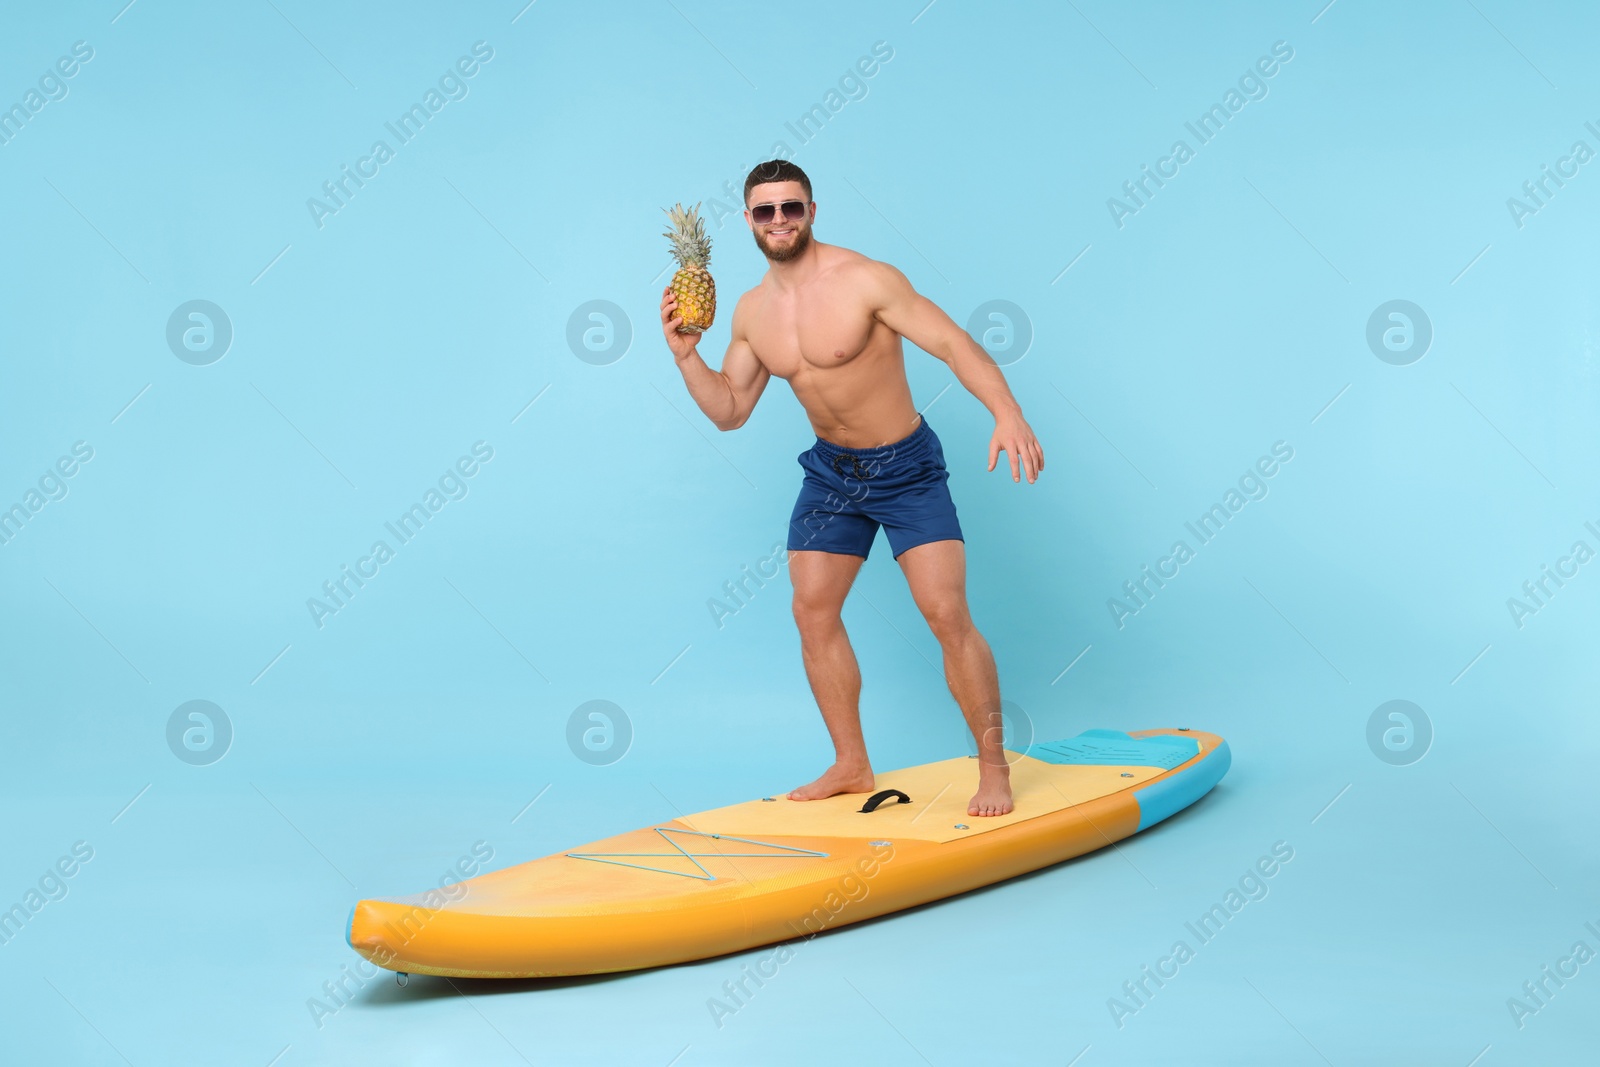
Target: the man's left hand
pixel 1013 436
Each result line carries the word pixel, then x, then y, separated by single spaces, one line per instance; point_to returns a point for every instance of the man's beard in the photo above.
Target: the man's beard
pixel 790 250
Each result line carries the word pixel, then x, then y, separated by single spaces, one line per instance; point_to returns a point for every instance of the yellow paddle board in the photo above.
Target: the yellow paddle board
pixel 775 869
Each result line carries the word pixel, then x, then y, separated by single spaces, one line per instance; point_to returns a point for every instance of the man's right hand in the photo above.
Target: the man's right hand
pixel 682 344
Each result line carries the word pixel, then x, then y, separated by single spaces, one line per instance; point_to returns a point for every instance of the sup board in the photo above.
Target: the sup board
pixel 774 869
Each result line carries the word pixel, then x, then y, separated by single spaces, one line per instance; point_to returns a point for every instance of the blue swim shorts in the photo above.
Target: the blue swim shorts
pixel 849 492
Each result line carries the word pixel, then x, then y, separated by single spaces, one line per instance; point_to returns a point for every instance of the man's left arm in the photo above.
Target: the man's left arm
pixel 919 320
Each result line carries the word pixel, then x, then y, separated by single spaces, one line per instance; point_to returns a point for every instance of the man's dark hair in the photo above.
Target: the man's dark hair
pixel 776 170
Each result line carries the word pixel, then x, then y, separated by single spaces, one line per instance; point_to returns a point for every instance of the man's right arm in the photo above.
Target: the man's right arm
pixel 727 396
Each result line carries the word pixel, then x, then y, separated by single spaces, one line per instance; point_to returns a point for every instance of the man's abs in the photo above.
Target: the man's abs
pixel 845 367
pixel 861 404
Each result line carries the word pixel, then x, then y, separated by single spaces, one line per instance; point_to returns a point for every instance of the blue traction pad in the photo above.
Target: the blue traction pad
pixel 1112 748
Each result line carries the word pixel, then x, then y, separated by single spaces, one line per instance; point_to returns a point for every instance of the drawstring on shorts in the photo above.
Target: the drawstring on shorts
pixel 855 465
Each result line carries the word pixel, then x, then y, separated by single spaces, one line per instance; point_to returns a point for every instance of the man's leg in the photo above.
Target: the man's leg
pixel 821 582
pixel 937 574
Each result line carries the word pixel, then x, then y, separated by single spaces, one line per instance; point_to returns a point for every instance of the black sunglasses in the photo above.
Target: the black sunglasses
pixel 793 210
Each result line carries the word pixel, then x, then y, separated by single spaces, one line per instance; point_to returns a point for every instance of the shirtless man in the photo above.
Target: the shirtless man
pixel 829 322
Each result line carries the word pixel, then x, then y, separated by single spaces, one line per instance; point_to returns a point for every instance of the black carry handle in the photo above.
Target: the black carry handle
pixel 879 797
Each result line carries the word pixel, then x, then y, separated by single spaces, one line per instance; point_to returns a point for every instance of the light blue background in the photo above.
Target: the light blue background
pixel 369 754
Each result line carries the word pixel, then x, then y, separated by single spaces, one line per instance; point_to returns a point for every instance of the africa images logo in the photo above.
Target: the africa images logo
pixel 1205 128
pixel 452 85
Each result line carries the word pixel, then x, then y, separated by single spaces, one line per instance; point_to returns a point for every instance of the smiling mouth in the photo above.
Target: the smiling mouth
pixel 779 233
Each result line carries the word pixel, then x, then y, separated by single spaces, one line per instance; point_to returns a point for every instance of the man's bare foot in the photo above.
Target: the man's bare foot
pixel 840 778
pixel 994 791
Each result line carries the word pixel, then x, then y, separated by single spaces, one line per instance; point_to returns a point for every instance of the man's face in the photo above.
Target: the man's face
pixel 781 239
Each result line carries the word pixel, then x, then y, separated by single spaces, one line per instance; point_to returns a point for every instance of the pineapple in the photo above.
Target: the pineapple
pixel 692 284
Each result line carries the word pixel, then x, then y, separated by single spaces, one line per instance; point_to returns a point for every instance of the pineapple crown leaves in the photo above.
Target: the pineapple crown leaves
pixel 690 245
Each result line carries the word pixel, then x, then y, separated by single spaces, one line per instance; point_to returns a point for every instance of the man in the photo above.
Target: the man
pixel 829 322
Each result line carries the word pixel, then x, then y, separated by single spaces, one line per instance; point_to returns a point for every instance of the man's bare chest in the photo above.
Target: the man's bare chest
pixel 802 334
